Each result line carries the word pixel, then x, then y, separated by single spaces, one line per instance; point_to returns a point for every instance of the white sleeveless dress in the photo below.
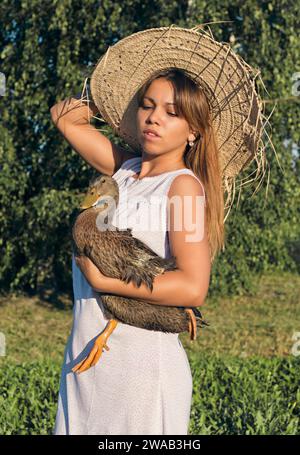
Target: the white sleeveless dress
pixel 143 384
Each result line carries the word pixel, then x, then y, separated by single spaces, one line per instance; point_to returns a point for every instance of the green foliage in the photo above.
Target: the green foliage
pixel 253 396
pixel 230 396
pixel 35 231
pixel 47 51
pixel 29 394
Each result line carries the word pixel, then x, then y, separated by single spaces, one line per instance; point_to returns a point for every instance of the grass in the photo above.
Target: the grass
pixel 245 376
pixel 263 325
pixel 252 326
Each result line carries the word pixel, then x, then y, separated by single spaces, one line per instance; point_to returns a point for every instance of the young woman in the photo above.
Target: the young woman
pixel 143 384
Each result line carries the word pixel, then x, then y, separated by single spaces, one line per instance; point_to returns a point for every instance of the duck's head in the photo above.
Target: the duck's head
pixel 100 193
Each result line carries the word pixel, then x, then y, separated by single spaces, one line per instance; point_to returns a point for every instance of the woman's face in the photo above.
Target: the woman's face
pixel 159 114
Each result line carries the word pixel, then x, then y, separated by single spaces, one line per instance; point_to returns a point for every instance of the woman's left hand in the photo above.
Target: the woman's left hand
pixel 93 275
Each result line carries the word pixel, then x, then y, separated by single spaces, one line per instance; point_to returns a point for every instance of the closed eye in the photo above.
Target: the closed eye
pixel 149 107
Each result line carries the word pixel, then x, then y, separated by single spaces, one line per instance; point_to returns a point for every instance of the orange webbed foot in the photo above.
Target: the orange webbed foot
pixel 192 324
pixel 101 342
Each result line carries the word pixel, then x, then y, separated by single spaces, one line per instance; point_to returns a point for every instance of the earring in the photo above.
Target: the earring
pixel 191 143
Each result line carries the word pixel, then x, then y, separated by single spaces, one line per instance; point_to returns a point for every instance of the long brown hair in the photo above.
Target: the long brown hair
pixel 202 157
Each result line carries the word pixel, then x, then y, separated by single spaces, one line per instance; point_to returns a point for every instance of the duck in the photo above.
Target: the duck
pixel 118 254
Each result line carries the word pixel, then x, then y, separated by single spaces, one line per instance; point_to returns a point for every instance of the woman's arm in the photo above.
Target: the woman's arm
pixel 72 118
pixel 186 286
pixel 171 288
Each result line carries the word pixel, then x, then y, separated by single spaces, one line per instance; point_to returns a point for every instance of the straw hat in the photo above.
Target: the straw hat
pixel 227 80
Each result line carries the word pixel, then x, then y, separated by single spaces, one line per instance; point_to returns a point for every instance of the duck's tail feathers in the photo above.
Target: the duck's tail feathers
pixel 199 318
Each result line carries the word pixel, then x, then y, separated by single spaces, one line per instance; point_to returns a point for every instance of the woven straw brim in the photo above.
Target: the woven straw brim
pixel 225 78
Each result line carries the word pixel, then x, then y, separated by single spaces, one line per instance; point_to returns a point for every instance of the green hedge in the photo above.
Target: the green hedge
pixel 230 396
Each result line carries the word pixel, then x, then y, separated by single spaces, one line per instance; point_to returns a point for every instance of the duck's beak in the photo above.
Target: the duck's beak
pixel 89 201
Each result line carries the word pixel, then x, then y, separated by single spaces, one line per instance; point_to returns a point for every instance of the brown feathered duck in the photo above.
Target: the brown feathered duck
pixel 117 254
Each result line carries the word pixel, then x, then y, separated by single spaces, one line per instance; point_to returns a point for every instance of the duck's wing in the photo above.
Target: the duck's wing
pixel 138 263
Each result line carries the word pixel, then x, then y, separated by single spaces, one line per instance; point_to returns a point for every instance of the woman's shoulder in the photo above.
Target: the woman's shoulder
pixel 186 182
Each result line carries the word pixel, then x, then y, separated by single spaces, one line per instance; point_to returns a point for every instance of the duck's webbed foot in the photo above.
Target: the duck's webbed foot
pixel 192 324
pixel 96 351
